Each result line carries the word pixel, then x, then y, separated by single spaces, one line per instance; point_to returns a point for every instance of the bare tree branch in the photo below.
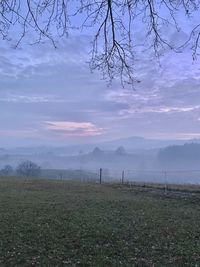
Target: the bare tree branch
pixel 116 23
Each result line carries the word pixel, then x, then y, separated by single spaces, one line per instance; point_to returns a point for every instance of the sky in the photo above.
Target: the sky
pixel 49 96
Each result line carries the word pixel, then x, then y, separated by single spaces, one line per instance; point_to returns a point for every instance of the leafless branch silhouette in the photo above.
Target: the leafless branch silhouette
pixel 115 23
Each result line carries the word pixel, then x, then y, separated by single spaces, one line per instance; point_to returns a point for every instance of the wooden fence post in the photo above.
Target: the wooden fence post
pixel 100 176
pixel 165 173
pixel 122 176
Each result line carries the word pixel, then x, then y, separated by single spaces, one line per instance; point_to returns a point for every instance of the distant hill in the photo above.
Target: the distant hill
pixel 135 143
pixel 181 156
pixel 184 152
pixel 130 144
pixel 127 153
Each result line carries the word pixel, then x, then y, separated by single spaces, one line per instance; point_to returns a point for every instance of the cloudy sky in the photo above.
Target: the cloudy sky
pixel 49 96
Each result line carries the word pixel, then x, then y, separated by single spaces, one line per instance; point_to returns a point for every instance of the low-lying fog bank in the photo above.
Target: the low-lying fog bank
pixel 177 163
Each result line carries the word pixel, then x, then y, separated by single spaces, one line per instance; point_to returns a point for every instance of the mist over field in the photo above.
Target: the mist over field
pixel 145 160
pixel 58 114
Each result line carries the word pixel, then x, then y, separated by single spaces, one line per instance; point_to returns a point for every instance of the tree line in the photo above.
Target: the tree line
pixel 26 168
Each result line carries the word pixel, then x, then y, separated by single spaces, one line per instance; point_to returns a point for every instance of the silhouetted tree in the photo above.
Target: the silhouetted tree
pixel 120 151
pixel 97 152
pixel 28 169
pixel 7 170
pixel 115 24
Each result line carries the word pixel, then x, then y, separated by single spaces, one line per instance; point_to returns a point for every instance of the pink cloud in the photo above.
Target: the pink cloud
pixel 70 128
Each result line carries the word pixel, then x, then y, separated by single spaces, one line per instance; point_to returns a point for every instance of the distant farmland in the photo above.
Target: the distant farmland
pixel 64 223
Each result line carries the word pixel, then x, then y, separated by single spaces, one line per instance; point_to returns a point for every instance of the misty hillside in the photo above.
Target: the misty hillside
pixel 131 144
pixel 183 156
pixel 186 156
pixel 135 142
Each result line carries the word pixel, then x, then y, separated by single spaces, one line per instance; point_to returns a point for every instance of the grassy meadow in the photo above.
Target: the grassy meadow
pixel 64 223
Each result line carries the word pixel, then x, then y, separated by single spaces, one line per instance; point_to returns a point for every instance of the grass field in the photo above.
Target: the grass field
pixel 57 223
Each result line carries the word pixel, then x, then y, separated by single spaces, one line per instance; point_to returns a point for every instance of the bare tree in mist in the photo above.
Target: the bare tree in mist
pixel 28 169
pixel 7 170
pixel 114 23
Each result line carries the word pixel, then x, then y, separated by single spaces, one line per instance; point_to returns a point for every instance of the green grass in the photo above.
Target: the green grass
pixel 57 223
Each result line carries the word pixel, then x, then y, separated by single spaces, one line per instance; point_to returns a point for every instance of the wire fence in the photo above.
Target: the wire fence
pixel 176 181
pixel 105 175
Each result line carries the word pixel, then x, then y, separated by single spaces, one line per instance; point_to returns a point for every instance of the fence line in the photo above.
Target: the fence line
pixel 103 175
